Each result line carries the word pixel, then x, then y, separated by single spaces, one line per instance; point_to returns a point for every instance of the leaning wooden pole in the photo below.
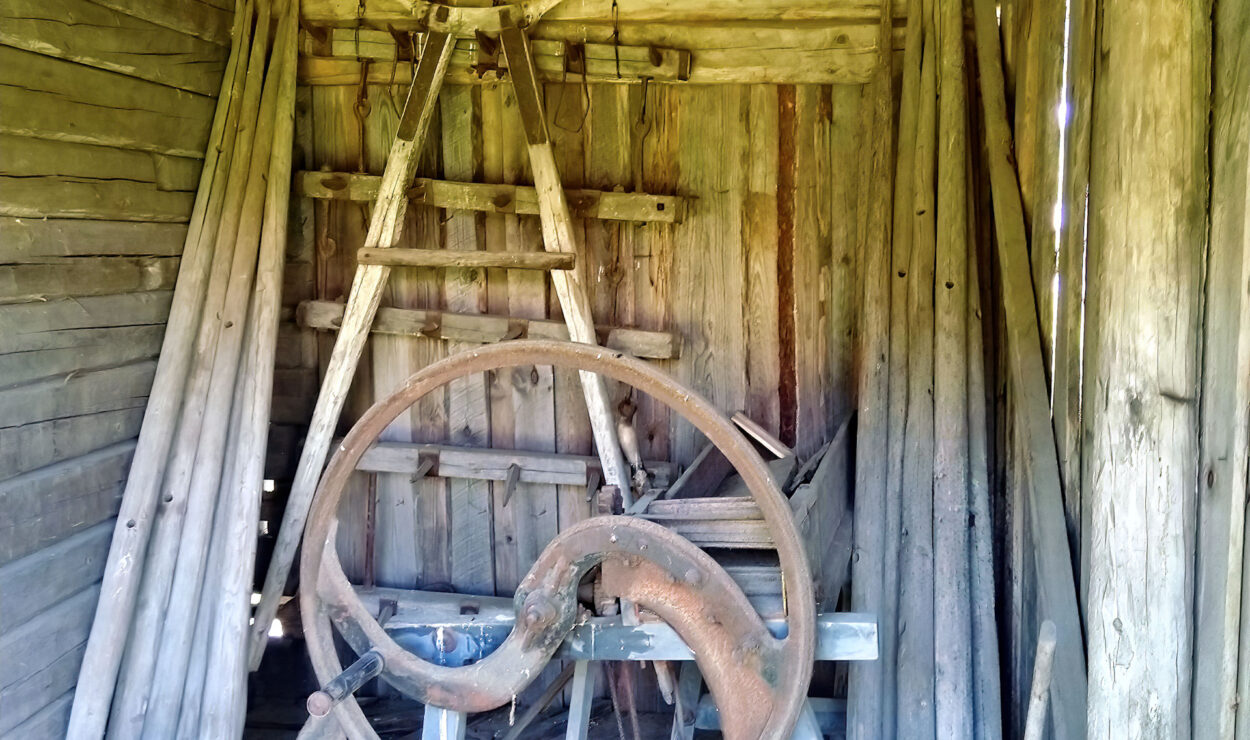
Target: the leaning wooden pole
pixel 866 681
pixel 192 547
pixel 900 278
pixel 1056 585
pixel 224 700
pixel 385 226
pixel 915 641
pixel 952 606
pixel 122 574
pixel 131 701
pixel 1147 248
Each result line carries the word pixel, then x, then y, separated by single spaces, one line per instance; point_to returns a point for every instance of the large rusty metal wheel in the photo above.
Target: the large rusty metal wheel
pixel 759 681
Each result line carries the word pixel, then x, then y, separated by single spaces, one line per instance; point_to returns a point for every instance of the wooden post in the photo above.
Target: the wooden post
pixel 362 304
pixel 557 226
pixel 915 649
pixel 1147 241
pixel 122 576
pixel 866 684
pixel 1056 585
pixel 952 607
pixel 1222 477
pixel 224 699
pixel 1039 697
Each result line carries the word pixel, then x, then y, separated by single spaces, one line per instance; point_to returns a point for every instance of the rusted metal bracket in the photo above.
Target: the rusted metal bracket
pixel 760 680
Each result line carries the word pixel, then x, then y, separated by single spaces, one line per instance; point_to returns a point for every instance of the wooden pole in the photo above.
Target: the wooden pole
pixel 952 608
pixel 1056 585
pixel 987 695
pixel 915 646
pixel 119 590
pixel 1225 396
pixel 900 278
pixel 367 286
pixel 225 694
pixel 192 547
pixel 1147 246
pixel 866 686
pixel 130 704
pixel 1039 696
pixel 866 683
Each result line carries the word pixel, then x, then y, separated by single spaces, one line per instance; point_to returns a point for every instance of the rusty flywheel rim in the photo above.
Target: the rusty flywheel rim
pixel 762 691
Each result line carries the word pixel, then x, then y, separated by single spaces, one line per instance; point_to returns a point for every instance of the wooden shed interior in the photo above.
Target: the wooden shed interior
pixel 624 368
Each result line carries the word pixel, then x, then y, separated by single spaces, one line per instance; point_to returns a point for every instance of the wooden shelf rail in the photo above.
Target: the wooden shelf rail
pixel 485 329
pixel 396 257
pixel 488 198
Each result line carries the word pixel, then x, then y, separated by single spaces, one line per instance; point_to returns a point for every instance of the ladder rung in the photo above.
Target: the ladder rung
pixel 395 257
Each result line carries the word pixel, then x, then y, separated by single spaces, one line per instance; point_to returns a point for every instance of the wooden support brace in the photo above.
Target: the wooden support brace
pixel 485 329
pixel 370 281
pixel 396 257
pixel 492 198
pixel 557 228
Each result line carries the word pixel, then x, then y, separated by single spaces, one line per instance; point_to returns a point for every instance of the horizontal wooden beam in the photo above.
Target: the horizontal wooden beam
pixel 495 465
pixel 396 257
pixel 485 329
pixel 520 199
pixel 332 55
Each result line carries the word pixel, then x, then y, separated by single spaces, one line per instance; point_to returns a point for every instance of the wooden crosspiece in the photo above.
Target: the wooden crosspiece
pixel 372 274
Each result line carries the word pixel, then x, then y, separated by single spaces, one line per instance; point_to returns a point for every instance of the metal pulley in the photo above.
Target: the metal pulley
pixel 758 681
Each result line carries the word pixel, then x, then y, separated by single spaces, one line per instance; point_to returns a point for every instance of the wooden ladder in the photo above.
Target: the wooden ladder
pixel 379 255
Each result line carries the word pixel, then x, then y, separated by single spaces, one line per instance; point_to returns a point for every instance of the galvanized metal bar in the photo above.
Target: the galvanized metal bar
pixel 366 667
pixel 443 724
pixel 580 704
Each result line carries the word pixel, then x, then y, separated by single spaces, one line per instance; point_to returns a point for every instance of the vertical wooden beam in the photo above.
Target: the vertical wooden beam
pixel 1147 241
pixel 384 230
pixel 1055 582
pixel 866 686
pixel 1222 475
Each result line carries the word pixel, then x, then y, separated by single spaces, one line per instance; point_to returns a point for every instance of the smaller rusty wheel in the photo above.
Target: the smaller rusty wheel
pixel 759 681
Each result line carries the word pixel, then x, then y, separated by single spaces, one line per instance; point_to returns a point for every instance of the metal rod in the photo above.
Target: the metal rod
pixel 368 666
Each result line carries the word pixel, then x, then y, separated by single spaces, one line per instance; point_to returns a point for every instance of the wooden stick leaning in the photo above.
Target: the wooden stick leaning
pixel 225 695
pixel 952 608
pixel 102 660
pixel 915 648
pixel 986 698
pixel 557 229
pixel 1039 695
pixel 362 304
pixel 180 617
pixel 1056 585
pixel 866 686
pixel 900 278
pixel 135 681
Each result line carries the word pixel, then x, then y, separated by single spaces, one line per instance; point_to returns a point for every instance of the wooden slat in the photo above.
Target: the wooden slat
pixel 36 240
pixel 104 276
pixel 34 445
pixel 763 402
pixel 59 397
pixel 89 33
pixel 65 197
pixel 36 582
pixel 495 198
pixel 492 463
pixel 445 258
pixel 51 98
pixel 27 650
pixel 34 326
pixel 25 157
pixel 30 496
pixel 206 20
pixel 50 722
pixel 483 329
pixel 86 349
pixel 39 699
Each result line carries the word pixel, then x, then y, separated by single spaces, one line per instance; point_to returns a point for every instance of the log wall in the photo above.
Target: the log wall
pixel 104 114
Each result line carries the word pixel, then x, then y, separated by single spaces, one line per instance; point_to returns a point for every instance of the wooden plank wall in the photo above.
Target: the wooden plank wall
pixel 104 114
pixel 757 281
